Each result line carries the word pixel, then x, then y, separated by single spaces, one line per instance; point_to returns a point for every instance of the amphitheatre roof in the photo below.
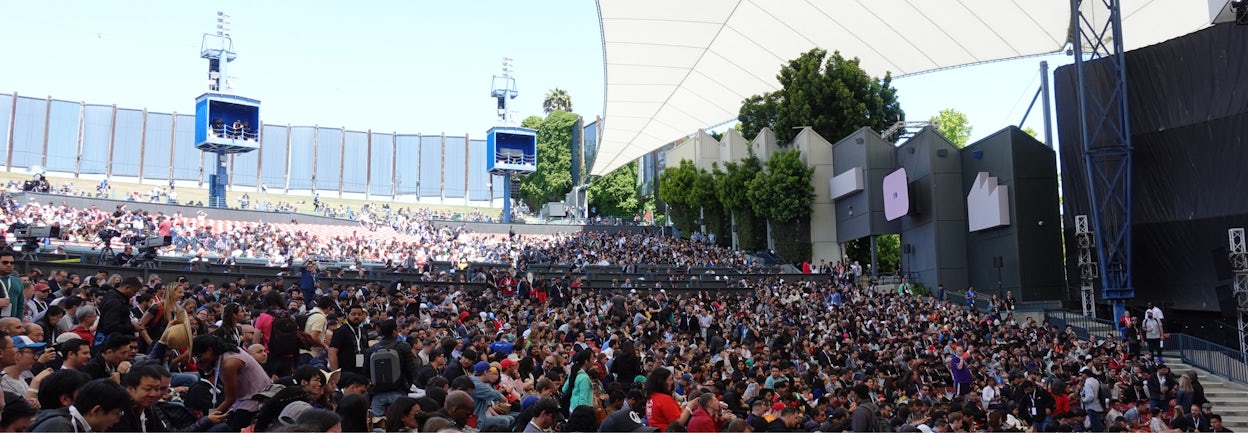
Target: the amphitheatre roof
pixel 673 67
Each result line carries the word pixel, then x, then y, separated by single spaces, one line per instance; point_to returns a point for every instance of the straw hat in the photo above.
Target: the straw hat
pixel 177 336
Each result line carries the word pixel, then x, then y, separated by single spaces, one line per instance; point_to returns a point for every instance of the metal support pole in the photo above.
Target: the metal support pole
pixel 875 267
pixel 1239 265
pixel 1044 95
pixel 507 198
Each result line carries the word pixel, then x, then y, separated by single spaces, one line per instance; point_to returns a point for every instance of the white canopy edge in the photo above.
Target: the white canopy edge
pixel 673 67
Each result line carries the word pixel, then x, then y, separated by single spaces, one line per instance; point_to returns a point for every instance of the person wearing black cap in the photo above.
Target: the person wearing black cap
pixel 546 414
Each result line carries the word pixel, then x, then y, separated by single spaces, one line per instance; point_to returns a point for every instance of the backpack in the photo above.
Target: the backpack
pixel 301 331
pixel 284 339
pixel 385 367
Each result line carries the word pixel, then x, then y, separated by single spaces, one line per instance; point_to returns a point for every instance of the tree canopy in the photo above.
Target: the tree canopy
pixel 783 192
pixel 552 179
pixel 557 99
pixel 954 125
pixel 616 193
pixel 832 95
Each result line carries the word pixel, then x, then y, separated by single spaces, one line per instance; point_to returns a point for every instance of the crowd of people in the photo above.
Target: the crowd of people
pixel 541 352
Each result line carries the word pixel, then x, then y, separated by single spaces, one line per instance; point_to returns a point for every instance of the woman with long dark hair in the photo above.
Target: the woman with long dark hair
pixel 403 416
pixel 238 375
pixel 626 365
pixel 661 408
pixel 230 331
pixel 578 390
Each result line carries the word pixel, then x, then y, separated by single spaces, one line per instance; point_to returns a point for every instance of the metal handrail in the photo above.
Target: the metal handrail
pixel 1215 358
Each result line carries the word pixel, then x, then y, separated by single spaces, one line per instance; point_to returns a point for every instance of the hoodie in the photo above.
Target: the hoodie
pixel 52 420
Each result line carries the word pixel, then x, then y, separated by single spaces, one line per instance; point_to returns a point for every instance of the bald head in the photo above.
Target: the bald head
pixel 459 406
pixel 11 326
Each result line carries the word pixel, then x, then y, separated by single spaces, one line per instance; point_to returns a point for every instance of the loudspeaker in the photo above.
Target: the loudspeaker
pixel 1221 263
pixel 998 262
pixel 1226 300
pixel 905 249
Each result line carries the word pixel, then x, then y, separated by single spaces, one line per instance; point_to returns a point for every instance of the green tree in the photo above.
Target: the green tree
pixel 954 125
pixel 833 95
pixel 732 190
pixel 532 122
pixel 616 193
pixel 783 194
pixel 557 100
pixel 675 185
pixel 552 179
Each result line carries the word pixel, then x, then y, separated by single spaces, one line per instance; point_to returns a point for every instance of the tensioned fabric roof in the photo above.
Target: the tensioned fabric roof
pixel 674 66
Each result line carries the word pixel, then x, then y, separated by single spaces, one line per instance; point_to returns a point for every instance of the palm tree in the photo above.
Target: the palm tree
pixel 557 99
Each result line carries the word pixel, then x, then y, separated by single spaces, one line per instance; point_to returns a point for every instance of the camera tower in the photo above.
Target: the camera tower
pixel 225 124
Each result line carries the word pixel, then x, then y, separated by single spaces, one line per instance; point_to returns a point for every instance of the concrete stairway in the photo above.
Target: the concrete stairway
pixel 1230 399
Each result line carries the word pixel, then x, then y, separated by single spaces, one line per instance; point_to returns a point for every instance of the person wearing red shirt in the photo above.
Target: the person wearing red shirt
pixel 661 408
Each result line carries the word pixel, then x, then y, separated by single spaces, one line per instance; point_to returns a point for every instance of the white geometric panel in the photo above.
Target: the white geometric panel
pixel 846 183
pixel 896 190
pixel 988 203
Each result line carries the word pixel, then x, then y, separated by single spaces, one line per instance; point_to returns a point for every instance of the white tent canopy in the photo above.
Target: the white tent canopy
pixel 673 67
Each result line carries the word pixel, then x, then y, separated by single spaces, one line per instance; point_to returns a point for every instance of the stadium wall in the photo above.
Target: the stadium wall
pixel 94 142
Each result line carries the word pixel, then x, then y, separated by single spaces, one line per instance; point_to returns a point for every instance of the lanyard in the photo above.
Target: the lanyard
pixel 356 334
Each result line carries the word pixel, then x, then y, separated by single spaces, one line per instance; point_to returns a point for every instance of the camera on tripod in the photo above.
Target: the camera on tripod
pixel 30 235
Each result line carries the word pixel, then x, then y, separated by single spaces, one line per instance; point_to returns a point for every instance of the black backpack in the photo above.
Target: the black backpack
pixel 385 365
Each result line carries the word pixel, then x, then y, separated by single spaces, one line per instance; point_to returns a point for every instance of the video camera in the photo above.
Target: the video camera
pixel 30 235
pixel 151 242
pixel 27 231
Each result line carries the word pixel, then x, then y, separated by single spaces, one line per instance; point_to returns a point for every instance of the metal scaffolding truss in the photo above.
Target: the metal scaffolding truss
pixel 1239 265
pixel 1106 138
pixel 1087 264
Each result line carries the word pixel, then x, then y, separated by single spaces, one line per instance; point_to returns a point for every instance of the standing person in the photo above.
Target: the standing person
pixel 12 301
pixel 317 327
pixel 307 280
pixel 970 298
pixel 960 365
pixel 579 391
pixel 115 310
pixel 1090 396
pixel 1152 333
pixel 237 373
pixel 386 394
pixel 347 346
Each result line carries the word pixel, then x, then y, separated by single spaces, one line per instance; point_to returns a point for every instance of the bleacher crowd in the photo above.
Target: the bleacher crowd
pixel 541 351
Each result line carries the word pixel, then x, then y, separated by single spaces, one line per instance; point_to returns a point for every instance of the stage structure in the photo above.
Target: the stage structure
pixel 510 151
pixel 225 124
pixel 1105 134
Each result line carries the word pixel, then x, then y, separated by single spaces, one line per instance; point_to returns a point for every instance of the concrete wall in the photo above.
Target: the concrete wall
pixel 935 229
pixel 817 154
pixel 764 144
pixel 861 214
pixel 1030 245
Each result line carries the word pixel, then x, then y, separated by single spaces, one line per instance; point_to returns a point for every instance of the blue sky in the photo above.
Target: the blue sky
pixel 405 66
